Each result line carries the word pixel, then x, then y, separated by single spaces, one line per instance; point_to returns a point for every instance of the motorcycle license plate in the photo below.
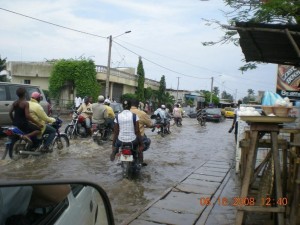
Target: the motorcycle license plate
pixel 127 158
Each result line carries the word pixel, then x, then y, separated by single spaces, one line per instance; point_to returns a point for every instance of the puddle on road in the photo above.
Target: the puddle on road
pixel 169 159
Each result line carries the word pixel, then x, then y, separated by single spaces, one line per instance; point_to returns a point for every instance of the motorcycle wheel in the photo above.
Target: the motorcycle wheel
pixel 17 147
pixel 5 151
pixel 70 131
pixel 202 122
pixel 61 142
pixel 162 131
pixel 126 169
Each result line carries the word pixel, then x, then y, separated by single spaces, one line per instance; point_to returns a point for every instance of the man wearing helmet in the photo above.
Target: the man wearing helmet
pixel 164 115
pixel 110 113
pixel 99 112
pixel 38 114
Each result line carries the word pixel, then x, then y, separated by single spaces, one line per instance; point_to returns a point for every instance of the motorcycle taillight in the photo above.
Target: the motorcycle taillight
pixel 126 151
pixel 8 132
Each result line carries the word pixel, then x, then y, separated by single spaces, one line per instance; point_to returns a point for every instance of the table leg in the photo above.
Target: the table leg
pixel 248 173
pixel 280 216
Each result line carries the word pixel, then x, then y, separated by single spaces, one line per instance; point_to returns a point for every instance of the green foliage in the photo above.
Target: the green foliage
pixel 190 102
pixel 2 67
pixel 128 96
pixel 141 81
pixel 160 94
pixel 148 92
pixel 2 64
pixel 81 73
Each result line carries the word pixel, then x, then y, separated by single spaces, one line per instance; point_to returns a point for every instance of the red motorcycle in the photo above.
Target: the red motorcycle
pixel 77 126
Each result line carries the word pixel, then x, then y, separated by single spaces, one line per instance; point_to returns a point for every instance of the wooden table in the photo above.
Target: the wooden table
pixel 271 125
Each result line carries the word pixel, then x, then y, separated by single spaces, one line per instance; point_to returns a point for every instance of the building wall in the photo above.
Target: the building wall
pixel 39 72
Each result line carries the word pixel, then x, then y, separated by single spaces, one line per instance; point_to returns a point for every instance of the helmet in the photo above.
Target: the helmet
pixel 100 98
pixel 163 106
pixel 107 101
pixel 35 95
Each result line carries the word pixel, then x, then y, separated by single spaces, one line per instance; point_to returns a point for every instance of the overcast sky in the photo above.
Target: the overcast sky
pixel 167 34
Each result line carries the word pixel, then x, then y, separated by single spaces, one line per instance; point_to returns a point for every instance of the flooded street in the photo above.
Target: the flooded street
pixel 169 159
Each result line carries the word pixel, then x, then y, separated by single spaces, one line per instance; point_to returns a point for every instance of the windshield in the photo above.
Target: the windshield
pixel 213 111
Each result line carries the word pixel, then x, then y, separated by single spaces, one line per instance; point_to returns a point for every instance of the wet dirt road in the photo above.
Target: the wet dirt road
pixel 169 159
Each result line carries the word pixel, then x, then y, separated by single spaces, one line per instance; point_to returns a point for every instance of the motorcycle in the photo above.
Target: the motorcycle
pixel 160 125
pixel 77 126
pixel 201 117
pixel 177 121
pixel 17 148
pixel 101 133
pixel 129 160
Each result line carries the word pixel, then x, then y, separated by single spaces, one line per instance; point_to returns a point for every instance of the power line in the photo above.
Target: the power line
pixel 57 25
pixel 166 68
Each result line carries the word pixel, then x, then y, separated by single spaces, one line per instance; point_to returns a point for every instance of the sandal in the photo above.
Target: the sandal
pixel 25 138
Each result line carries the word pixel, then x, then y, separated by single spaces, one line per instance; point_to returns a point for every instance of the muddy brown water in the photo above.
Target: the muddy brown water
pixel 169 159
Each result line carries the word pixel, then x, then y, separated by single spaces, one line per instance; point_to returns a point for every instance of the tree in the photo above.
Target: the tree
pixel 259 11
pixel 141 81
pixel 227 96
pixel 161 90
pixel 148 92
pixel 3 67
pixel 2 64
pixel 250 92
pixel 216 91
pixel 79 73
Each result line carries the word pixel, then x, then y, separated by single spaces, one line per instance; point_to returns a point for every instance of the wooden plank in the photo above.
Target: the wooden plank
pixel 278 187
pixel 261 209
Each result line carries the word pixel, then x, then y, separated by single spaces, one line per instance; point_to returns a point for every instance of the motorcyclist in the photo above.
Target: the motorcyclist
pixel 164 116
pixel 110 114
pixel 86 111
pixel 177 113
pixel 144 121
pixel 99 112
pixel 126 130
pixel 21 118
pixel 38 114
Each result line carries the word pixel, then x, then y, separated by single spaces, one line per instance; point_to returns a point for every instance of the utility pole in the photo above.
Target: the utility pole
pixel 177 89
pixel 107 93
pixel 108 68
pixel 211 89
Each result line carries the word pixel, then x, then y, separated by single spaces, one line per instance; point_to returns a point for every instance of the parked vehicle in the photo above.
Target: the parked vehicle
pixel 228 112
pixel 214 114
pixel 201 117
pixel 101 133
pixel 129 160
pixel 8 96
pixel 77 126
pixel 17 148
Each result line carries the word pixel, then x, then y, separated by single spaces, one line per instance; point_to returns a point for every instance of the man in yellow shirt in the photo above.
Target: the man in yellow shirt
pixel 38 114
pixel 144 121
pixel 110 113
pixel 87 112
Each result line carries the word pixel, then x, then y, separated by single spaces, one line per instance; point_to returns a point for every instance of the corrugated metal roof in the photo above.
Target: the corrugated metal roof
pixel 270 43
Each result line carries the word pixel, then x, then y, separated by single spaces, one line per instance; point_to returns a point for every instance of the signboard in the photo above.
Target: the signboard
pixel 288 82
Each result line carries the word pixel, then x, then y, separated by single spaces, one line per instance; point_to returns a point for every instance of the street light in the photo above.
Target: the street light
pixel 211 88
pixel 108 63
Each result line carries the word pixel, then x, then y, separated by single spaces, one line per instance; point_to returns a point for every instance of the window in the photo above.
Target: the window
pixel 26 81
pixel 2 93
